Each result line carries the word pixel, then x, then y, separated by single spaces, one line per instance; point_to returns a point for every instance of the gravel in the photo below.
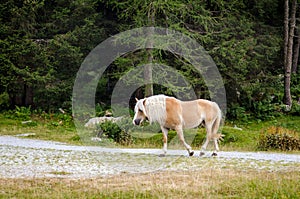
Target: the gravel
pixel 30 158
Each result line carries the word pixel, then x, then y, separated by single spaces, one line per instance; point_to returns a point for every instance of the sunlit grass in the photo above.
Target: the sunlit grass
pixel 207 183
pixel 45 129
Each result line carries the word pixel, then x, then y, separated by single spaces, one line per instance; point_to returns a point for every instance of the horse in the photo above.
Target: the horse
pixel 175 114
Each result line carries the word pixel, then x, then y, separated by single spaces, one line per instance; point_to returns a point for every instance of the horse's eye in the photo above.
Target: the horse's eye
pixel 140 111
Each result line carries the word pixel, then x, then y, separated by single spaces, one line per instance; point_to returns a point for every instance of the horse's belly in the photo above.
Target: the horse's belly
pixel 190 125
pixel 191 116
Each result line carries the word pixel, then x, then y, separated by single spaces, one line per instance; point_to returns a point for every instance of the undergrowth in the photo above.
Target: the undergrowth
pixel 279 138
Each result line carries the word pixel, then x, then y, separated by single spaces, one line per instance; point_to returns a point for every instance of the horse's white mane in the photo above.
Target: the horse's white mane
pixel 156 108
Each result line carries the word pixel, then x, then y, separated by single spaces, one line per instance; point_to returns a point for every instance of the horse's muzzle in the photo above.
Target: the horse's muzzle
pixel 137 121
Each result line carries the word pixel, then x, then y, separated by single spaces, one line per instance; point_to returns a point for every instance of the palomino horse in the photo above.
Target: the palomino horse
pixel 172 113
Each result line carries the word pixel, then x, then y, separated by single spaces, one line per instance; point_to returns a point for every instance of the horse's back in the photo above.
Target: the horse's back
pixel 185 113
pixel 194 112
pixel 211 109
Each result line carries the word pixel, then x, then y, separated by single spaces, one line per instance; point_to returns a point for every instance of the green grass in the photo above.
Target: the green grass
pixel 238 136
pixel 57 128
pixel 40 128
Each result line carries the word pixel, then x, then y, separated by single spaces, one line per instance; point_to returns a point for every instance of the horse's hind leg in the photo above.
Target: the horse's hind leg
pixel 208 137
pixel 215 129
pixel 216 147
pixel 181 138
pixel 165 139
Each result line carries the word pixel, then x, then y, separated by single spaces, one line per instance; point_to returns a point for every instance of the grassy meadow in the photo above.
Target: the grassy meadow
pixel 239 136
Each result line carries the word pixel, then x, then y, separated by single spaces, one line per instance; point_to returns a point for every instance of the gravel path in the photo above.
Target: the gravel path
pixel 23 158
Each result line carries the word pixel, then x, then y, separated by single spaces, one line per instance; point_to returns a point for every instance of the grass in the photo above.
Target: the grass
pixel 208 183
pixel 238 136
pixel 40 128
pixel 58 128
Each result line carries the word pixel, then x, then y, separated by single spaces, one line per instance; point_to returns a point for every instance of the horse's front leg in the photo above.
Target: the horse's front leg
pixel 181 138
pixel 209 136
pixel 165 139
pixel 204 146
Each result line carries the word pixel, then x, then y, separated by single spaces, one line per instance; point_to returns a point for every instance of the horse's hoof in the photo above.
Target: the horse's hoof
pixel 162 155
pixel 214 154
pixel 201 154
pixel 191 153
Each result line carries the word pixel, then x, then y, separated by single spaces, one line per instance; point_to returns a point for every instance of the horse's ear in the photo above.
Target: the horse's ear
pixel 136 99
pixel 144 107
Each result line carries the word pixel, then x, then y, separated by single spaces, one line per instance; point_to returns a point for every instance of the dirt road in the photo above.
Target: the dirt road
pixel 25 158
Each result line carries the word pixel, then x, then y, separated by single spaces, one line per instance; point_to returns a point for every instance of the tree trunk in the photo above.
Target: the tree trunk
pixel 289 56
pixel 148 67
pixel 148 79
pixel 286 30
pixel 28 95
pixel 296 51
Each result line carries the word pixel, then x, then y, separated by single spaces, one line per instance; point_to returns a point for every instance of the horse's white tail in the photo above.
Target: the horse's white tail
pixel 216 126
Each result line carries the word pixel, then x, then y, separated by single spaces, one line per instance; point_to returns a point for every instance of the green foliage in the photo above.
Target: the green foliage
pixel 22 113
pixel 237 112
pixel 229 137
pixel 199 139
pixel 4 101
pixel 265 110
pixel 278 138
pixel 295 109
pixel 64 119
pixel 114 132
pixel 101 109
pixel 43 43
pixel 295 87
pixel 241 42
pixel 42 46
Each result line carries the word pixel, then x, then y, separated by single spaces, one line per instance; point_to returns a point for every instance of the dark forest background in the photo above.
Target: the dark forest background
pixel 43 44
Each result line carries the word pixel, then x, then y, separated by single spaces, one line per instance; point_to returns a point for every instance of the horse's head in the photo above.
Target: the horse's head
pixel 139 112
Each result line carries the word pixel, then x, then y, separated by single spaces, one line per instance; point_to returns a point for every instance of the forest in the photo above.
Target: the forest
pixel 254 44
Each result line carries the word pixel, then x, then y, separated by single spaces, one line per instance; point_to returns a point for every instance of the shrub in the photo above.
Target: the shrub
pixel 113 131
pixel 229 137
pixel 100 110
pixel 199 139
pixel 23 113
pixel 235 111
pixel 265 109
pixel 64 119
pixel 279 138
pixel 4 100
pixel 295 109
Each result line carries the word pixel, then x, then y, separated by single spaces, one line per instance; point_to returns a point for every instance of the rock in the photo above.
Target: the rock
pixel 26 122
pixel 25 135
pixel 96 139
pixel 98 120
pixel 237 128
